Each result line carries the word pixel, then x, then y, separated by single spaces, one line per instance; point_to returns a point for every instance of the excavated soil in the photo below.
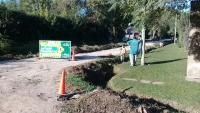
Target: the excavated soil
pixel 104 101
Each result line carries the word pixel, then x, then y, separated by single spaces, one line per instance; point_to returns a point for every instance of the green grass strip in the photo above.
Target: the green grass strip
pixel 78 80
pixel 167 65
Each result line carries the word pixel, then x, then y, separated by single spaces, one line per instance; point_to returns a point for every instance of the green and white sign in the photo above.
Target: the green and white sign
pixel 54 49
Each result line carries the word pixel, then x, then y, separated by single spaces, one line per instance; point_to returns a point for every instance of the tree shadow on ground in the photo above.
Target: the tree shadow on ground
pixel 156 51
pixel 151 104
pixel 162 62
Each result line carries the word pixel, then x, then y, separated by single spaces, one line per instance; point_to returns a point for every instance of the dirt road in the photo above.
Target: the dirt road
pixel 31 85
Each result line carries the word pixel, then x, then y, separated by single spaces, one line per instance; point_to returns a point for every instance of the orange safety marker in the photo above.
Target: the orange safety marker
pixel 62 84
pixel 73 55
pixel 62 95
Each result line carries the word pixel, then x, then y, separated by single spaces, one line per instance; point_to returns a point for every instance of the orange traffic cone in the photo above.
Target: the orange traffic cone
pixel 73 55
pixel 62 84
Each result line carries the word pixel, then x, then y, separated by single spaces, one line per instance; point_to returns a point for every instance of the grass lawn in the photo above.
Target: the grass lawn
pixel 167 65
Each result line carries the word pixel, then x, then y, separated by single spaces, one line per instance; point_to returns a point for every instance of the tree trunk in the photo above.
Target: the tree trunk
pixel 193 66
pixel 154 31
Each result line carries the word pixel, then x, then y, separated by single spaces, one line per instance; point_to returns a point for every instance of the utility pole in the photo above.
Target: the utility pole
pixel 143 46
pixel 110 27
pixel 175 30
pixel 143 40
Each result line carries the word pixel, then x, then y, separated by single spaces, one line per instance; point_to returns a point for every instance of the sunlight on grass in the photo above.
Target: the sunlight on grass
pixel 167 65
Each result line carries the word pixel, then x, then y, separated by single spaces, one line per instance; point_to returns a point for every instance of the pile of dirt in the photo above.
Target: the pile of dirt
pixel 79 69
pixel 87 48
pixel 107 101
pixel 104 101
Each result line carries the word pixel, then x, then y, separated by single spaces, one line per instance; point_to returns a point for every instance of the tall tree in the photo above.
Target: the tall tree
pixel 193 62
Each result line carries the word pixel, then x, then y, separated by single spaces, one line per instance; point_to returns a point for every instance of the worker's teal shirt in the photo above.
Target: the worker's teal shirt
pixel 133 46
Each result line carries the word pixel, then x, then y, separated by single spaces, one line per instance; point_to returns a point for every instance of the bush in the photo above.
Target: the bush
pixel 6 45
pixel 31 47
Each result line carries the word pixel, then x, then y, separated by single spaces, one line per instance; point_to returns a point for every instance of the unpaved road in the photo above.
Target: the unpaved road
pixel 31 85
